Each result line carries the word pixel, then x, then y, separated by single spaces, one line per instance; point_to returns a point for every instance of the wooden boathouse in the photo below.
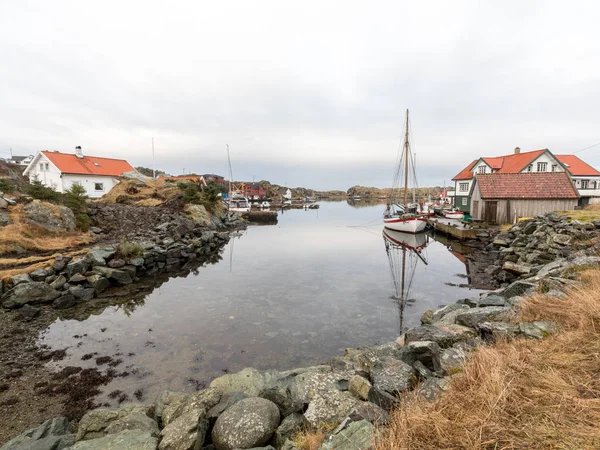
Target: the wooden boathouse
pixel 500 198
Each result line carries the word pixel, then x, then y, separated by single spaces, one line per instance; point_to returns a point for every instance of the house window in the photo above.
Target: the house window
pixel 464 201
pixel 41 167
pixel 529 167
pixel 585 184
pixel 463 187
pixel 542 166
pixel 482 169
pixel 554 167
pixel 99 186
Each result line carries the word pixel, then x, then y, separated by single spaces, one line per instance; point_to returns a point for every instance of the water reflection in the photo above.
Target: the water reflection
pixel 404 251
pixel 364 203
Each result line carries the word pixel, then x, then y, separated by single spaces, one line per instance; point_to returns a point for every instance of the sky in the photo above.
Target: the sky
pixel 305 93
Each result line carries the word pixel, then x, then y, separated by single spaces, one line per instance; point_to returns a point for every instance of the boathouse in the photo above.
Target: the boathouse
pixel 500 198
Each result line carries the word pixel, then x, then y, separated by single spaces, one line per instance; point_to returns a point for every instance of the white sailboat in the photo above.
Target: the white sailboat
pixel 401 217
pixel 404 252
pixel 235 201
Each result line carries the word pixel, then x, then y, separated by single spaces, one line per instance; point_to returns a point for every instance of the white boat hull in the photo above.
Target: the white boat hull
pixel 411 241
pixel 453 215
pixel 406 225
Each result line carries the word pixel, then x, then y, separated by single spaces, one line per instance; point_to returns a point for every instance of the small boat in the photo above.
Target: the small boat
pixel 238 203
pixel 265 205
pixel 453 214
pixel 404 217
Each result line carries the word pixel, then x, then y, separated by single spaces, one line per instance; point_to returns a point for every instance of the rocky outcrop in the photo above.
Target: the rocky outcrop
pixel 54 434
pixel 53 218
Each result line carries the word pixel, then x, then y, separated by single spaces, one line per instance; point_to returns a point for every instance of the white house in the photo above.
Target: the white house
pixel 60 171
pixel 286 193
pixel 21 160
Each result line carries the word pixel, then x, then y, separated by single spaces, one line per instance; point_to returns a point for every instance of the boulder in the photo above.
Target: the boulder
pixel 187 432
pixel 227 400
pixel 98 256
pixel 116 263
pixel 529 330
pixel 101 422
pixel 393 376
pixel 432 387
pixel 497 331
pixel 200 215
pixel 116 276
pixel 427 353
pixel 356 435
pixel 518 288
pixel 430 333
pixel 289 427
pixel 60 262
pixel 330 407
pixel 64 301
pixel 562 239
pixel 382 399
pixel 82 294
pixel 514 267
pixel 126 440
pixel 371 412
pixel 452 360
pixel 491 300
pixel 53 218
pixel 58 283
pixel 78 278
pixel 475 316
pixel 98 282
pixel 249 423
pixel 21 278
pixel 453 308
pixel 39 275
pixel 359 387
pixel 34 292
pixel 4 218
pixel 201 400
pixel 164 399
pixel 54 434
pixel 78 266
pixel 28 312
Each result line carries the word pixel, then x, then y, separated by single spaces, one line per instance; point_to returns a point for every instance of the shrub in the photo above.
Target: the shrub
pixel 129 250
pixel 5 185
pixel 75 198
pixel 40 192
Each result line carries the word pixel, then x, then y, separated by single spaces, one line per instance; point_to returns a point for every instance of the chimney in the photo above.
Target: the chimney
pixel 517 150
pixel 78 152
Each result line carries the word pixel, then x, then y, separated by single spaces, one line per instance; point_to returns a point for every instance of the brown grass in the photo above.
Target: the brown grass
pixel 35 238
pixel 309 440
pixel 150 193
pixel 590 213
pixel 520 394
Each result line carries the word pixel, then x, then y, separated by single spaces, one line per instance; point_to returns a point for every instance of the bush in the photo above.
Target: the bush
pixel 192 193
pixel 5 185
pixel 40 192
pixel 75 198
pixel 129 250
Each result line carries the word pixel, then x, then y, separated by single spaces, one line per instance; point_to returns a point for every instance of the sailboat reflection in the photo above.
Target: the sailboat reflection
pixel 404 251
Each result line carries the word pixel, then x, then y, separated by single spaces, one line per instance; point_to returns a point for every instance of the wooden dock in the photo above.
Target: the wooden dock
pixel 454 228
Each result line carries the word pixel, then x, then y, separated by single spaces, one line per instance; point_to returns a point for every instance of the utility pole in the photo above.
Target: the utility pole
pixel 153 165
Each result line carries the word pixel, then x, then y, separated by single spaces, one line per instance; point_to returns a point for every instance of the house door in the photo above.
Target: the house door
pixel 490 212
pixel 475 209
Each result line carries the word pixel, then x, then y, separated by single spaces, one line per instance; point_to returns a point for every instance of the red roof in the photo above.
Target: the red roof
pixel 88 165
pixel 502 164
pixel 466 173
pixel 576 166
pixel 535 185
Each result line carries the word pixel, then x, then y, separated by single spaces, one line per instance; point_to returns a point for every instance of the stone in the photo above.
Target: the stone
pixel 475 316
pixel 4 218
pixel 164 399
pixel 529 330
pixel 52 218
pixel 28 312
pixel 125 440
pixel 64 301
pixel 427 317
pixel 491 300
pixel 452 360
pixel 514 267
pixel 78 266
pixel 562 239
pixel 371 412
pixel 21 278
pixel 249 381
pixel 201 400
pixel 500 243
pixel 329 407
pixel 426 352
pixel 432 387
pixel 39 275
pixel 429 333
pixel 519 288
pixel 116 276
pixel 96 230
pixel 227 400
pixel 137 262
pixel 451 308
pixel 77 279
pixel 422 371
pixel 289 426
pixel 497 331
pixel 393 376
pixel 34 292
pixel 60 262
pixel 54 434
pixel 359 387
pixel 357 435
pixel 116 263
pixel 98 282
pixel 187 432
pixel 382 399
pixel 101 422
pixel 82 294
pixel 249 423
pixel 58 283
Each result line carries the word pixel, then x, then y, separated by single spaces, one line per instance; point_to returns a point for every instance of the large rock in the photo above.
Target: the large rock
pixel 187 432
pixel 98 282
pixel 519 288
pixel 98 256
pixel 452 360
pixel 54 434
pixel 39 275
pixel 227 400
pixel 79 266
pixel 330 407
pixel 357 435
pixel 201 400
pixel 35 292
pixel 101 422
pixel 117 276
pixel 514 267
pixel 201 216
pixel 475 316
pixel 163 400
pixel 430 333
pixel 4 218
pixel 359 387
pixel 432 387
pixel 249 423
pixel 448 313
pixel 51 217
pixel 21 278
pixel 125 440
pixel 393 376
pixel 289 426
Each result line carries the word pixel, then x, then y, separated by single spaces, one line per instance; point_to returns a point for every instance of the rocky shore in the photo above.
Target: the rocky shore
pixel 354 393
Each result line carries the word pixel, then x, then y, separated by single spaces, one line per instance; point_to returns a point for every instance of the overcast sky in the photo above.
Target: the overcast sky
pixel 308 93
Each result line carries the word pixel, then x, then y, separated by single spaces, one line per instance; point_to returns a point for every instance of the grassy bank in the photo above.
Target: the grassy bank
pixel 520 394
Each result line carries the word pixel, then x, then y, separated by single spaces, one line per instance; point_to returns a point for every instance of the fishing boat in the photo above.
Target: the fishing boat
pixel 453 214
pixel 404 251
pixel 237 203
pixel 402 216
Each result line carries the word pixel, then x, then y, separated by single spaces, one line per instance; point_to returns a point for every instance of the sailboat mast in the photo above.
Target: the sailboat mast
pixel 406 164
pixel 402 299
pixel 230 177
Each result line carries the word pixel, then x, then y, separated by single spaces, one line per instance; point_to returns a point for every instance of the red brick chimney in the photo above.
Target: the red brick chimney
pixel 517 150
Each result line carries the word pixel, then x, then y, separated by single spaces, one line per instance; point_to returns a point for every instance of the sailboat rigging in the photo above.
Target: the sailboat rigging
pixel 403 216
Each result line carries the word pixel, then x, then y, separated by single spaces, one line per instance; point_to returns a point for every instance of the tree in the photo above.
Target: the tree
pixel 75 198
pixel 148 172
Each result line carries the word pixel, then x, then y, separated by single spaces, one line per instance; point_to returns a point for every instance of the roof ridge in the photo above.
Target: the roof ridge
pixel 84 156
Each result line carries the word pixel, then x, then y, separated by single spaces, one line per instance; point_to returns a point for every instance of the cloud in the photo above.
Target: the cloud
pixel 309 92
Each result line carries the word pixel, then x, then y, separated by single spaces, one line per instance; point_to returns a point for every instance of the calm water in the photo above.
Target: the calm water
pixel 283 296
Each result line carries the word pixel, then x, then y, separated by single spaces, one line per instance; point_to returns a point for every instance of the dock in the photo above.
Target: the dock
pixel 454 228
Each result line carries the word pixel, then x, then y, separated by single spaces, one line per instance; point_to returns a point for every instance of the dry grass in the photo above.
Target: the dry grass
pixel 35 238
pixel 520 394
pixel 309 440
pixel 151 193
pixel 588 214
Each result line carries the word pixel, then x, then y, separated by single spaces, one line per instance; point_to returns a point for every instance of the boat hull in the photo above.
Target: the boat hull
pixel 453 215
pixel 410 225
pixel 410 241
